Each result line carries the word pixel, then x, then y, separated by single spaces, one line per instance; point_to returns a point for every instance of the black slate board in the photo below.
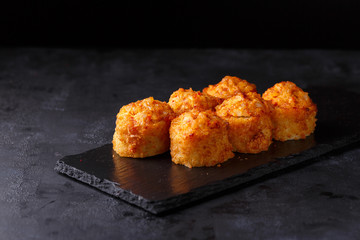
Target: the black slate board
pixel 157 185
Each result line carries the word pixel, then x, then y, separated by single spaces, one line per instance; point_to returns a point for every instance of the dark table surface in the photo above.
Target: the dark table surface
pixel 57 102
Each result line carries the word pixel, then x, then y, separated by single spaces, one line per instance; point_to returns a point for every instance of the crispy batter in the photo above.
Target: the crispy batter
pixel 228 87
pixel 142 128
pixel 249 118
pixel 199 139
pixel 184 100
pixel 197 136
pixel 294 114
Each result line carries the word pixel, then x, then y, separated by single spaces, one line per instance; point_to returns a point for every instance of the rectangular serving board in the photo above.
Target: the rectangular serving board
pixel 158 185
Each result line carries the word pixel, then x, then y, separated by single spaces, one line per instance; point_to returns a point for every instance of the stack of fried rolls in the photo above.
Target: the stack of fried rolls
pixel 203 129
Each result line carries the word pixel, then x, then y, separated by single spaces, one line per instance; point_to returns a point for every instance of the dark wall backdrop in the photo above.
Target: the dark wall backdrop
pixel 331 24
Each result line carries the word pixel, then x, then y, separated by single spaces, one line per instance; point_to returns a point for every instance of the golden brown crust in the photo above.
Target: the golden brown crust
pixel 294 114
pixel 184 100
pixel 197 136
pixel 199 139
pixel 142 128
pixel 287 95
pixel 250 125
pixel 228 87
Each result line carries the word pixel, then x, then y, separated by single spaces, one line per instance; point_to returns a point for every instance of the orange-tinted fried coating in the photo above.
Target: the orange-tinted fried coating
pixel 294 114
pixel 142 128
pixel 228 87
pixel 250 125
pixel 184 100
pixel 199 139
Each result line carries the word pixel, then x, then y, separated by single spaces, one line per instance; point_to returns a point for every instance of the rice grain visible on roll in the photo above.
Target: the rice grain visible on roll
pixel 142 129
pixel 250 124
pixel 228 87
pixel 199 139
pixel 184 100
pixel 294 114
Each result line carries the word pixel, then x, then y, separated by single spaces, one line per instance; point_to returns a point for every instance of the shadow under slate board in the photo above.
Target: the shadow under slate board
pixel 157 185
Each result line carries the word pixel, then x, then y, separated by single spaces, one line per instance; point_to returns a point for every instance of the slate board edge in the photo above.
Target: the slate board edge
pixel 103 185
pixel 166 205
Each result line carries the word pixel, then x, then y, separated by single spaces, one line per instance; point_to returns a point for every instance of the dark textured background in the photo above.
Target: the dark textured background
pixel 57 102
pixel 151 24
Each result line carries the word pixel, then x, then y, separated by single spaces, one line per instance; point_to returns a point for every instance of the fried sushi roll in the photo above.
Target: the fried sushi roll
pixel 250 125
pixel 228 87
pixel 142 129
pixel 294 114
pixel 184 100
pixel 199 139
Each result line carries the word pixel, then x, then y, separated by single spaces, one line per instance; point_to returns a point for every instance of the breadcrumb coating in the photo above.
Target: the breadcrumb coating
pixel 204 128
pixel 184 100
pixel 294 114
pixel 250 124
pixel 142 128
pixel 199 139
pixel 228 87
